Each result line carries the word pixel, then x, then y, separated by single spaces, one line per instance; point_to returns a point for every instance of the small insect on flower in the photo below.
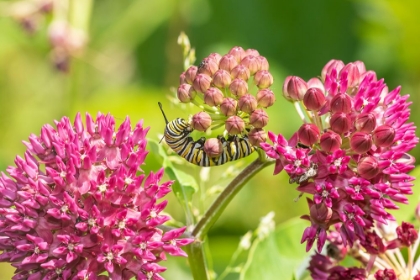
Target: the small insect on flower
pixel 310 173
pixel 177 136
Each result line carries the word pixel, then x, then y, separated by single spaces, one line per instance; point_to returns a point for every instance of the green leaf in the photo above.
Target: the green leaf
pixel 185 185
pixel 278 256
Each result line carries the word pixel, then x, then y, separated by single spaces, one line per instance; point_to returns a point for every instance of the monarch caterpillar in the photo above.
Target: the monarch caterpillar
pixel 177 136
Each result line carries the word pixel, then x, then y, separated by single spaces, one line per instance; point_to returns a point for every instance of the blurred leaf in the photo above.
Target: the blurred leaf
pixel 278 256
pixel 185 185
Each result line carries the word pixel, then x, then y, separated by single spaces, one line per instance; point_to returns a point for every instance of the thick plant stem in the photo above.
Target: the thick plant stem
pixel 219 205
pixel 197 261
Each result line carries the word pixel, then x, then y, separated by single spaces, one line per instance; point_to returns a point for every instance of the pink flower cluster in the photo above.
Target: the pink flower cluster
pixel 78 206
pixel 351 152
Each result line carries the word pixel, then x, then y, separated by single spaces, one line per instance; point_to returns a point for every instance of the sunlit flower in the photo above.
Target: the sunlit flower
pixel 78 205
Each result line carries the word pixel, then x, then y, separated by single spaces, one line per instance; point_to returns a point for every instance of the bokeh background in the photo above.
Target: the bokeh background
pixel 131 60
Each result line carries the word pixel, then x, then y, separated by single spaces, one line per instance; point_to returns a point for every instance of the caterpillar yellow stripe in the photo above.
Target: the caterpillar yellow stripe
pixel 177 136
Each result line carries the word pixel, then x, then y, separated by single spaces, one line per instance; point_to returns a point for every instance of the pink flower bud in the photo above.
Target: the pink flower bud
pixel 340 122
pixel 361 142
pixel 213 147
pixel 228 62
pixel 314 99
pixel 365 122
pixel 308 134
pixel 265 98
pixel 368 167
pixel 201 121
pixel 216 57
pixel 263 79
pixel 238 87
pixel 213 97
pixel 252 52
pixel 234 125
pixel 384 135
pixel 320 213
pixel 257 136
pixel 407 234
pixel 202 82
pixel 208 66
pixel 316 83
pixel 258 118
pixel 221 78
pixel 353 74
pixel 332 64
pixel 183 93
pixel 341 103
pixel 190 74
pixel 247 103
pixel 182 79
pixel 228 106
pixel 251 63
pixel 238 53
pixel 330 142
pixel 294 88
pixel 263 62
pixel 240 72
pixel 361 66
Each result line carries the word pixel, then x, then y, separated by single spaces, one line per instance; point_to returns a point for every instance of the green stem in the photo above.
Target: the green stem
pixel 219 205
pixel 197 260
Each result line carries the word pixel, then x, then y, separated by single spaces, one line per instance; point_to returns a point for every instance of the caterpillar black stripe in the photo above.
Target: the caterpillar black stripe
pixel 177 136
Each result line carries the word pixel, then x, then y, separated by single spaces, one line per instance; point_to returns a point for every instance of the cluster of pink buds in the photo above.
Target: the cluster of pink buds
pixel 350 154
pixel 78 205
pixel 232 90
pixel 380 255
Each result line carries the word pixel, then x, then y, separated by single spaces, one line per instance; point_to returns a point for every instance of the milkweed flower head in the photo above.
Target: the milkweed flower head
pixel 233 90
pixel 78 205
pixel 350 154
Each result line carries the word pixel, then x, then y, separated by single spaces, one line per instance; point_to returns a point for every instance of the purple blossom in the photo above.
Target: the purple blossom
pixel 78 205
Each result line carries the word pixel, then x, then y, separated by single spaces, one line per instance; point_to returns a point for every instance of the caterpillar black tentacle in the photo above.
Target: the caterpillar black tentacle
pixel 177 136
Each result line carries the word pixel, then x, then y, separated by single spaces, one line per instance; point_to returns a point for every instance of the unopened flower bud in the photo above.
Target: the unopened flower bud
pixel 353 74
pixel 361 66
pixel 263 62
pixel 182 79
pixel 384 135
pixel 228 62
pixel 234 125
pixel 247 103
pixel 216 57
pixel 258 118
pixel 407 234
pixel 238 53
pixel 294 88
pixel 361 142
pixel 314 99
pixel 251 63
pixel 265 98
pixel 201 121
pixel 330 142
pixel 368 167
pixel 320 213
pixel 263 79
pixel 213 147
pixel 228 106
pixel 202 82
pixel 221 78
pixel 183 93
pixel 252 52
pixel 208 66
pixel 341 103
pixel 316 83
pixel 332 64
pixel 365 122
pixel 308 134
pixel 240 72
pixel 213 96
pixel 340 122
pixel 238 87
pixel 257 136
pixel 190 74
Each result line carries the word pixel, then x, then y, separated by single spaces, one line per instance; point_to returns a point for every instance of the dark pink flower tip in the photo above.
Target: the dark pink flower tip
pixel 77 198
pixel 384 136
pixel 368 167
pixel 314 99
pixel 308 134
pixel 407 234
pixel 385 274
pixel 361 142
pixel 330 142
pixel 294 88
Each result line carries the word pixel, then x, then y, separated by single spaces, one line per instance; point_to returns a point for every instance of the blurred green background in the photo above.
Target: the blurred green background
pixel 132 60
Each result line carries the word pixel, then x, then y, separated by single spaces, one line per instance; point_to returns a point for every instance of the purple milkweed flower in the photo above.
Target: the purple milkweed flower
pixel 78 205
pixel 356 169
